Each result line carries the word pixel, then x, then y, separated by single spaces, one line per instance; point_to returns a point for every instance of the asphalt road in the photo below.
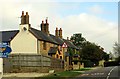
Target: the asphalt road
pixel 101 73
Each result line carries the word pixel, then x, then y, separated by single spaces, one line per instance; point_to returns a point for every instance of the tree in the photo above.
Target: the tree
pixel 88 51
pixel 105 56
pixel 71 53
pixel 78 40
pixel 92 52
pixel 116 48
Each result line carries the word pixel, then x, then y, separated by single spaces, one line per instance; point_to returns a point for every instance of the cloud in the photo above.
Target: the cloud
pixel 96 9
pixel 11 12
pixel 93 28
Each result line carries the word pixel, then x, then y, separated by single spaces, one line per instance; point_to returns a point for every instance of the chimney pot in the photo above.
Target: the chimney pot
pixel 22 13
pixel 42 26
pixel 26 18
pixel 46 21
pixel 60 28
pixel 42 22
pixel 22 18
pixel 56 28
pixel 60 32
pixel 56 32
pixel 46 27
pixel 26 13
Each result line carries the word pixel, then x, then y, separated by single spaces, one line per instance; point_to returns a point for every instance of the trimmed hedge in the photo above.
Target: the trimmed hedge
pixel 111 63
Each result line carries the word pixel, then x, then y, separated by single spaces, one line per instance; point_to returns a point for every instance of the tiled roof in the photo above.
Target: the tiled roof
pixel 57 39
pixel 70 44
pixel 52 50
pixel 6 36
pixel 61 41
pixel 67 54
pixel 42 36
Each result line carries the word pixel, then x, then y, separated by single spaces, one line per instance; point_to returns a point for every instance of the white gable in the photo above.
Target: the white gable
pixel 24 42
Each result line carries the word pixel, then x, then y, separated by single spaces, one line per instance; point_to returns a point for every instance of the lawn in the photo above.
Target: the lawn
pixel 82 69
pixel 65 74
pixel 61 75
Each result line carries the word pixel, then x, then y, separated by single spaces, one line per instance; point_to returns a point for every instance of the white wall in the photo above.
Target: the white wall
pixel 24 42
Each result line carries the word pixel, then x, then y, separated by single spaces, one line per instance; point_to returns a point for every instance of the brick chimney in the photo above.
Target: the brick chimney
pixel 24 18
pixel 27 18
pixel 47 27
pixel 42 26
pixel 60 33
pixel 56 32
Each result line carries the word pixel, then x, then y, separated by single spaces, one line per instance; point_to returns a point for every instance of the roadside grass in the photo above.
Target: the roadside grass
pixel 83 69
pixel 65 74
pixel 61 75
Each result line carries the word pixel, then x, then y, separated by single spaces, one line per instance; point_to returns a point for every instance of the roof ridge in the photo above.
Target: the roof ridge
pixel 34 29
pixel 9 30
pixel 42 35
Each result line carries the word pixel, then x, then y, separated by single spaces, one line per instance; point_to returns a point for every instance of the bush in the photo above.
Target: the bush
pixel 111 63
pixel 88 63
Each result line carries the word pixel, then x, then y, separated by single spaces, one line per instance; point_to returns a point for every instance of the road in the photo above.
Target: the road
pixel 101 73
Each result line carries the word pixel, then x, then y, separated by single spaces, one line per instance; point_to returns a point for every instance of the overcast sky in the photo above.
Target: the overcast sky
pixel 97 21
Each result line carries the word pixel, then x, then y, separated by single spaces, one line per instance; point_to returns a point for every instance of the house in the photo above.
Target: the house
pixel 7 36
pixel 64 45
pixel 58 38
pixel 32 41
pixel 28 40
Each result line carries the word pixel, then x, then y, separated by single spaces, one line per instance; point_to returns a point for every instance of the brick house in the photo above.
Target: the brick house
pixel 32 41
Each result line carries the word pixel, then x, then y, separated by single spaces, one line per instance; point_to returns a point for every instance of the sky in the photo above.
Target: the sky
pixel 96 20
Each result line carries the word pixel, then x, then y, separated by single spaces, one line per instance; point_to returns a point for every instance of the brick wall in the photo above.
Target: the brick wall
pixel 45 51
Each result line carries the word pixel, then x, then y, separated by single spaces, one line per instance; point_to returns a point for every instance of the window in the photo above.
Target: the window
pixel 75 62
pixel 57 56
pixel 44 45
pixel 60 57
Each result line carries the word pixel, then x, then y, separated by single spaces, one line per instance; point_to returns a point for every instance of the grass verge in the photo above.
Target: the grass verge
pixel 65 74
pixel 83 69
pixel 61 75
